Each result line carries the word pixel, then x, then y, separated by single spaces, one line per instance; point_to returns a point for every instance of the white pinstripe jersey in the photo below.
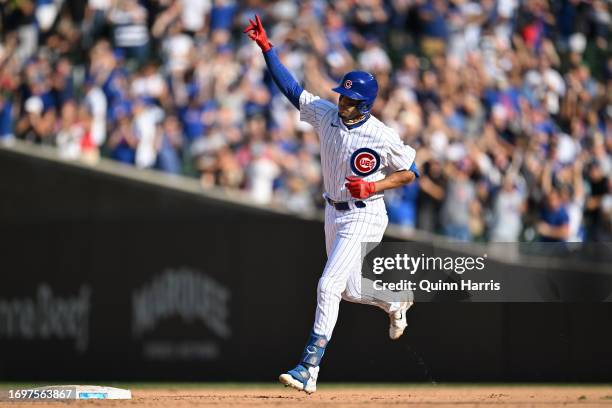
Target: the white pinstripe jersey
pixel 370 151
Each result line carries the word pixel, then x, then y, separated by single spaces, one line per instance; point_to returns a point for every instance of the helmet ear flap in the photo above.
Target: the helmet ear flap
pixel 364 107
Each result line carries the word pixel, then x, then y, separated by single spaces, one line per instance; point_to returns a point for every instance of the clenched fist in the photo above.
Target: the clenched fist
pixel 360 188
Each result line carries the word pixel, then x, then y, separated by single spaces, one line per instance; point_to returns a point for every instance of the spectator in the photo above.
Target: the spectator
pixel 374 58
pixel 6 117
pixel 432 19
pixel 553 225
pixel 431 195
pixel 177 49
pixel 296 196
pixel 94 21
pixel 146 119
pixel 260 173
pixel 508 208
pixel 130 33
pixel 168 145
pixel 230 174
pixel 505 100
pixel 46 12
pixel 123 141
pixel 70 133
pixel 194 14
pixel 37 125
pixel 599 186
pixel 402 206
pixel 95 100
pixel 20 18
pixel 459 204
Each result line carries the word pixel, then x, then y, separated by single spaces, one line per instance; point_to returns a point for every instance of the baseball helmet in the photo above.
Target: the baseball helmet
pixel 361 86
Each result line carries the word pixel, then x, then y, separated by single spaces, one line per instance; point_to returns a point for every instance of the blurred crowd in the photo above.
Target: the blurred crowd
pixel 508 102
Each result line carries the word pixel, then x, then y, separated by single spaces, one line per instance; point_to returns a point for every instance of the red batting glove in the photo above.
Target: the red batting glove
pixel 360 188
pixel 256 32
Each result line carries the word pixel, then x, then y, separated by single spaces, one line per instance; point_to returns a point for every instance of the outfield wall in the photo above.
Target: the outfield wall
pixel 110 273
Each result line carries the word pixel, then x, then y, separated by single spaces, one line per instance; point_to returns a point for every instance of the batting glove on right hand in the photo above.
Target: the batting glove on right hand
pixel 256 32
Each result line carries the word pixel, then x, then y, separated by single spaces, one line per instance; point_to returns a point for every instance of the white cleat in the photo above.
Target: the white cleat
pixel 301 380
pixel 397 321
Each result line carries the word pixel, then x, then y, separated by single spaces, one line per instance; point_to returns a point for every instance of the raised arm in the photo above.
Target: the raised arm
pixel 281 76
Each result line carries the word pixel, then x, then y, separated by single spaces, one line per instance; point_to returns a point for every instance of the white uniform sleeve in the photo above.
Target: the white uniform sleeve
pixel 313 109
pixel 400 156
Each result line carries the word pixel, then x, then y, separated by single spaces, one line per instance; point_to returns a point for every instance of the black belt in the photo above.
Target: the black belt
pixel 344 205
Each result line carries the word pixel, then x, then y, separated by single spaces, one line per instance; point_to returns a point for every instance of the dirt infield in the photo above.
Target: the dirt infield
pixel 356 396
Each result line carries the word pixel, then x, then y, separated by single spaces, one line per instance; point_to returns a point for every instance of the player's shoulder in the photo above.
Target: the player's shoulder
pixel 389 133
pixel 330 106
pixel 309 99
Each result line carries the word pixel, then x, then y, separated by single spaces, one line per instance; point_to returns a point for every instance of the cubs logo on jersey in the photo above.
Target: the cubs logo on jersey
pixel 365 161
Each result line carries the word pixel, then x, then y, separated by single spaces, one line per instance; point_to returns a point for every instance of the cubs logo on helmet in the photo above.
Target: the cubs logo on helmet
pixel 348 83
pixel 365 161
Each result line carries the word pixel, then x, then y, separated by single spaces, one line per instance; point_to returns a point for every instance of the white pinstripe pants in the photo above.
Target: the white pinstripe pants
pixel 344 233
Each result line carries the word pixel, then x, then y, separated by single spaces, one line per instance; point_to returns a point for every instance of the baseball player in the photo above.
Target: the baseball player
pixel 360 158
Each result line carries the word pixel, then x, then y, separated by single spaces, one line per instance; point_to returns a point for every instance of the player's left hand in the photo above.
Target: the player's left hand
pixel 360 188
